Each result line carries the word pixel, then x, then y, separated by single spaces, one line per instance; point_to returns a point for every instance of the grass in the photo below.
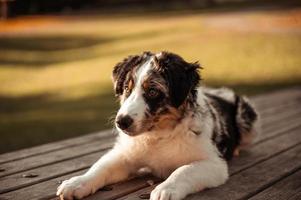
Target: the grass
pixel 55 78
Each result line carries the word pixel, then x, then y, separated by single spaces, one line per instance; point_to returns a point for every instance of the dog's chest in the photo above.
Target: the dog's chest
pixel 165 155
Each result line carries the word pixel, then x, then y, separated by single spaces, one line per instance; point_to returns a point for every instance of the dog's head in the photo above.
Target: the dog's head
pixel 154 90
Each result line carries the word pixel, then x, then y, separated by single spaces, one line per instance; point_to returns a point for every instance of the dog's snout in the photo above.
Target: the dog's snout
pixel 124 122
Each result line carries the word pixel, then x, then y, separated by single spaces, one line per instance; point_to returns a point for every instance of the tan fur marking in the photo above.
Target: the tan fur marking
pixel 131 84
pixel 169 120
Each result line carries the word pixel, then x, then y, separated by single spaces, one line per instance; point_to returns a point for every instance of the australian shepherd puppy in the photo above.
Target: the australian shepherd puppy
pixel 171 126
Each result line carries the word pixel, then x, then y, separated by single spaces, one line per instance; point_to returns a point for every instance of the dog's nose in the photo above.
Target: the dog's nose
pixel 124 122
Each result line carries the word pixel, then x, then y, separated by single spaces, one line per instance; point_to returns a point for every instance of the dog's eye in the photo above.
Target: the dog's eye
pixel 152 93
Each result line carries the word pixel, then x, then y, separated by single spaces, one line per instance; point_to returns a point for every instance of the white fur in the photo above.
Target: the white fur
pixel 134 105
pixel 224 93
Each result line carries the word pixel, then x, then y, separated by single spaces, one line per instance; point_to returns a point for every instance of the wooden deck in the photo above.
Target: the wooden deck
pixel 270 169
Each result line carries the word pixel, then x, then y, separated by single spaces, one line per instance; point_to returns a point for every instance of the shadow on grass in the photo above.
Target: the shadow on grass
pixel 48 42
pixel 42 50
pixel 33 120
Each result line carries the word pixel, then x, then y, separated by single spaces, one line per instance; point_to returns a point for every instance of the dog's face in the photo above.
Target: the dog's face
pixel 154 90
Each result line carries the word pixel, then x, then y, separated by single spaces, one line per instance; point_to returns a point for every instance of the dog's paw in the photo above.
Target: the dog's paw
pixel 166 192
pixel 74 188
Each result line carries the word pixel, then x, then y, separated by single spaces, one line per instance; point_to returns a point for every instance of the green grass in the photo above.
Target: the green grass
pixel 55 82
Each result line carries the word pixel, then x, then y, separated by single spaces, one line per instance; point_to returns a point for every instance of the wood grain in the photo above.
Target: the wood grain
pixel 282 190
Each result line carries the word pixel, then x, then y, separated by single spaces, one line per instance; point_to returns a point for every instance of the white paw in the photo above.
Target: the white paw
pixel 74 188
pixel 166 192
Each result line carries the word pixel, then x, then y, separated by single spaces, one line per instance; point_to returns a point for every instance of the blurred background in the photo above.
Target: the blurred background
pixel 56 57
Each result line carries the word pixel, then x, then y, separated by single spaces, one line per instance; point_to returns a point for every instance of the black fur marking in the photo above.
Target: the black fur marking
pixel 227 138
pixel 154 103
pixel 182 77
pixel 246 115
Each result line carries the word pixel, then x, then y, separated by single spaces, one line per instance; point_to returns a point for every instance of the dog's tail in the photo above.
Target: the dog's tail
pixel 247 121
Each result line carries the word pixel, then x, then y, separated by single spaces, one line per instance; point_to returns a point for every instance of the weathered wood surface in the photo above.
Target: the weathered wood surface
pixel 270 169
pixel 282 190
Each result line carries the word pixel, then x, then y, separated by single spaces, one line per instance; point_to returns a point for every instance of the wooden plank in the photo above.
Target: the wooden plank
pixel 278 95
pixel 263 101
pixel 282 190
pixel 266 131
pixel 268 120
pixel 47 190
pixel 270 104
pixel 136 195
pixel 264 150
pixel 123 189
pixel 256 154
pixel 16 180
pixel 271 119
pixel 278 128
pixel 274 109
pixel 54 146
pixel 54 157
pixel 277 111
pixel 247 183
pixel 296 196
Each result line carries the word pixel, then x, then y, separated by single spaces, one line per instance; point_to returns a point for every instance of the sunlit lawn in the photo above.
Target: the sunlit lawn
pixel 55 78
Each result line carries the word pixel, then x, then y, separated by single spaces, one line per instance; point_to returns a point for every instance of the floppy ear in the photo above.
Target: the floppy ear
pixel 182 77
pixel 122 68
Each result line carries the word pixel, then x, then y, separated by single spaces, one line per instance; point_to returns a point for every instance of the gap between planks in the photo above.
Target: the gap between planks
pixel 283 189
pixel 256 154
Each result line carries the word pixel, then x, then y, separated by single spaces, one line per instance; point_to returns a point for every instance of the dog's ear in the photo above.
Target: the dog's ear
pixel 122 68
pixel 182 77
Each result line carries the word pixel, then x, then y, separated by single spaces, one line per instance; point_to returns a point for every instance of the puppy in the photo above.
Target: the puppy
pixel 170 125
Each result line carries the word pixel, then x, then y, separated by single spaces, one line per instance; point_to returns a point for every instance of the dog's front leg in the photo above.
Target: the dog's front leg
pixel 192 178
pixel 111 168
